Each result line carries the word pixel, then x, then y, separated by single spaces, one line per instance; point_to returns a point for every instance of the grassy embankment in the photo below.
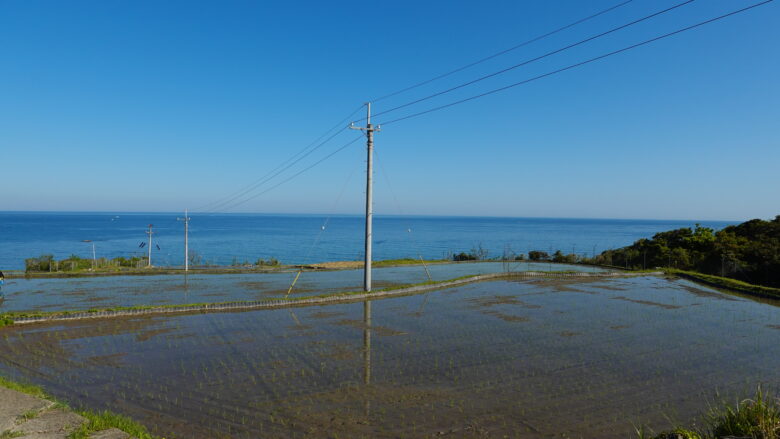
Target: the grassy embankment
pixel 753 418
pixel 727 283
pixel 8 318
pixel 242 269
pixel 96 421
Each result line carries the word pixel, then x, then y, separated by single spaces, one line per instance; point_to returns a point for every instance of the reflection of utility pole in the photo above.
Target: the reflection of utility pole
pixel 367 352
pixel 150 233
pixel 367 342
pixel 186 220
pixel 369 129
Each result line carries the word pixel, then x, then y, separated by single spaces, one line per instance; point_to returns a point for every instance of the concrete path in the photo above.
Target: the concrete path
pixel 25 416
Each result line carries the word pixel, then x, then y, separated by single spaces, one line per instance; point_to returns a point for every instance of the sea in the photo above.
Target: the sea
pixel 225 239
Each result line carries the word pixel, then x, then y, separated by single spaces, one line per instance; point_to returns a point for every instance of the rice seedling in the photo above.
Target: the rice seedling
pixel 230 363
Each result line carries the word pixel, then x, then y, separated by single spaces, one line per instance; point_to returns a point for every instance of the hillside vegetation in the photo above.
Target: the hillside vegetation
pixel 749 252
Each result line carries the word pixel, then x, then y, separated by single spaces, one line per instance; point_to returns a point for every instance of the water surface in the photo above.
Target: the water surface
pixel 537 359
pixel 111 291
pixel 225 239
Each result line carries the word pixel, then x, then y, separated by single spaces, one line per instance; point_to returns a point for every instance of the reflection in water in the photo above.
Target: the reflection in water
pixel 517 359
pixel 367 342
pixel 111 291
pixel 367 352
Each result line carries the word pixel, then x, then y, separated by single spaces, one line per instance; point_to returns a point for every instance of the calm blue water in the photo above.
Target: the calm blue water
pixel 293 239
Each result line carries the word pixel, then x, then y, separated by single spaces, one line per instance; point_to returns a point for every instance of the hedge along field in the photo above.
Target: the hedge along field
pixel 590 358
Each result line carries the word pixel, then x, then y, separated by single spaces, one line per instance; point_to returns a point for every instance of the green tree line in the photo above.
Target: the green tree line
pixel 749 252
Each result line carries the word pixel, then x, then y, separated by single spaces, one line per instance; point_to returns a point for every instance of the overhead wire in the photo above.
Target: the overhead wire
pixel 502 52
pixel 341 148
pixel 535 59
pixel 220 205
pixel 272 175
pixel 322 230
pixel 400 212
pixel 579 64
pixel 303 153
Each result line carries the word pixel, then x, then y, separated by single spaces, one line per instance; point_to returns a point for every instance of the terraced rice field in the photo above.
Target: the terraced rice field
pixel 538 359
pixel 111 291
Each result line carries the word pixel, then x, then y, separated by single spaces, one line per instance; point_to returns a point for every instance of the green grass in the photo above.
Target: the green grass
pixel 30 414
pixel 96 421
pixel 8 434
pixel 23 388
pixel 753 418
pixel 407 261
pixel 728 283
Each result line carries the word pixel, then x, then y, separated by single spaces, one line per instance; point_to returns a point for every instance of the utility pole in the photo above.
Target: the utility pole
pixel 186 220
pixel 369 130
pixel 94 259
pixel 150 233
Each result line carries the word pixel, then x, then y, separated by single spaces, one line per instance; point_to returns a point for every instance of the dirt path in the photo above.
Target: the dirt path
pixel 26 416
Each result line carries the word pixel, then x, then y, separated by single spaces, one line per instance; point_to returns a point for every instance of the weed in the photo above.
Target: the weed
pixel 757 418
pixel 98 421
pixel 30 414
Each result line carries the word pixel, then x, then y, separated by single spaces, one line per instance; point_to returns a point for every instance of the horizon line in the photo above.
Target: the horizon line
pixel 115 212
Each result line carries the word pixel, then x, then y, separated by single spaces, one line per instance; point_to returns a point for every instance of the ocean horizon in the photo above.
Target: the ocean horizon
pixel 236 238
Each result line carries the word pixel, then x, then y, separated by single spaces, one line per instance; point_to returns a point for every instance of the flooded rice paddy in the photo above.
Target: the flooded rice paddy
pixel 538 359
pixel 112 291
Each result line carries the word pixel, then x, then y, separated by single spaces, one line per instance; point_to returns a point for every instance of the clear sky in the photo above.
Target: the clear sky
pixel 162 106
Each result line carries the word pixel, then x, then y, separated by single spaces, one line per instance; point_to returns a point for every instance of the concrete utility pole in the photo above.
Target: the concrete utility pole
pixel 94 259
pixel 369 130
pixel 150 233
pixel 186 220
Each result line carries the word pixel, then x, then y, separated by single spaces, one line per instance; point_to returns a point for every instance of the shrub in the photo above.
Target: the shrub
pixel 270 262
pixel 462 256
pixel 537 255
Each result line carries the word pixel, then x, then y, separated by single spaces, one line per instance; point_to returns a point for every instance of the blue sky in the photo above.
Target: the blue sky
pixel 162 106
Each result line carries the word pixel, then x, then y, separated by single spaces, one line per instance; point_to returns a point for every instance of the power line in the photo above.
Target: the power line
pixel 532 60
pixel 281 167
pixel 487 58
pixel 572 66
pixel 296 158
pixel 273 174
pixel 341 148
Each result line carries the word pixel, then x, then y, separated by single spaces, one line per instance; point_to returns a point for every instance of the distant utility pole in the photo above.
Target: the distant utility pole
pixel 94 259
pixel 369 130
pixel 186 220
pixel 150 233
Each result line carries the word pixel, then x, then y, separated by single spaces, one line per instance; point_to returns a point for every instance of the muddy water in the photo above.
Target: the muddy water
pixel 530 359
pixel 112 291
